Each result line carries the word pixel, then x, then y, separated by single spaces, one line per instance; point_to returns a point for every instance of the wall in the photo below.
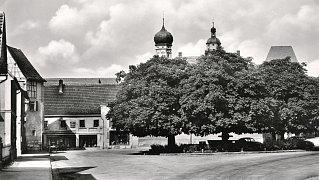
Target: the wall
pixel 34 120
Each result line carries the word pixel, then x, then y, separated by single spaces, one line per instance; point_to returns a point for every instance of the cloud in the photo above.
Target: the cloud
pixel 109 71
pixel 66 20
pixel 57 52
pixel 76 19
pixel 191 49
pixel 298 29
pixel 313 68
pixel 25 26
pixel 121 32
pixel 142 58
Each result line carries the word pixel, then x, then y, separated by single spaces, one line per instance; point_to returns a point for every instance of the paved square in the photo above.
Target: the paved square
pixel 122 164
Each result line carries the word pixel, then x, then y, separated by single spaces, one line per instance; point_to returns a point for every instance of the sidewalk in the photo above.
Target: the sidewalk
pixel 28 166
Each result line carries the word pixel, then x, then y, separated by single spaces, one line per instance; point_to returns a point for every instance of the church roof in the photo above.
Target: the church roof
pixel 163 37
pixel 78 98
pixel 281 52
pixel 24 65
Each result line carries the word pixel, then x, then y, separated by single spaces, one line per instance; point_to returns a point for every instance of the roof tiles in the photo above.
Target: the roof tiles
pixel 78 99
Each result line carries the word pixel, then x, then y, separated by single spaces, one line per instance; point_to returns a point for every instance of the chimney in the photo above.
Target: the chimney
pixel 60 86
pixel 180 54
pixel 238 52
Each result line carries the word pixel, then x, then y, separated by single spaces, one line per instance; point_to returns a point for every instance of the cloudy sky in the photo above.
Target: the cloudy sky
pixel 97 38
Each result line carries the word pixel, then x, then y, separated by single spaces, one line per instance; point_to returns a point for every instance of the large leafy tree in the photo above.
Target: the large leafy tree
pixel 148 102
pixel 224 93
pixel 292 100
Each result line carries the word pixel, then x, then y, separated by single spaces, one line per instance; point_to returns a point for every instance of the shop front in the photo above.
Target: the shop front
pixel 61 141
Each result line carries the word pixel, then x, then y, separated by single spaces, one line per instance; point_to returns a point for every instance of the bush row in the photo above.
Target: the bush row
pixel 190 148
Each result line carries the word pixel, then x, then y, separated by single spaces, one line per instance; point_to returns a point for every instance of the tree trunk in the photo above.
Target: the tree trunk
pixel 225 136
pixel 273 136
pixel 282 136
pixel 171 140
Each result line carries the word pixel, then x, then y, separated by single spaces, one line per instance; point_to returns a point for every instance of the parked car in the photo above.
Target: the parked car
pixel 298 142
pixel 249 144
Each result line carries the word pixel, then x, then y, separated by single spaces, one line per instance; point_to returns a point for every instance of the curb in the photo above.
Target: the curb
pixel 50 169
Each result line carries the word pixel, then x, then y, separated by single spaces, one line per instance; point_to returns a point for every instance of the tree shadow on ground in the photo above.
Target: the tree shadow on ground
pixel 58 158
pixel 72 173
pixel 143 153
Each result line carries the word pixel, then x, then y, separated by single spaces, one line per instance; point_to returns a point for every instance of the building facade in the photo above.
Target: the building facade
pixel 31 81
pixel 12 99
pixel 75 114
pixel 17 75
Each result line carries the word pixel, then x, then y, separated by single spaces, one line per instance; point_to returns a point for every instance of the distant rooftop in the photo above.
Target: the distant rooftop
pixel 80 96
pixel 281 52
pixel 80 81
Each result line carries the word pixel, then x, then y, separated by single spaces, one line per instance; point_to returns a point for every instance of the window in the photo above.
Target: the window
pixel 72 124
pixel 33 105
pixel 34 133
pixel 45 124
pixel 82 123
pixel 96 123
pixel 32 89
pixel 63 124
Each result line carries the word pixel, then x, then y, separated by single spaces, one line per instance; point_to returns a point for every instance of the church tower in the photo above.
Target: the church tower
pixel 163 42
pixel 213 42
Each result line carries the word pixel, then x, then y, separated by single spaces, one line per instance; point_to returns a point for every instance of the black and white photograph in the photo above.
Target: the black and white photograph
pixel 159 89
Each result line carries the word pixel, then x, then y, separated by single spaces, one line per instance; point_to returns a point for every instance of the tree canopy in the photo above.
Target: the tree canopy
pixel 292 97
pixel 222 93
pixel 148 102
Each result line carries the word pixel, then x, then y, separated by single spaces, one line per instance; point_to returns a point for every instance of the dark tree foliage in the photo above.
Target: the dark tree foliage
pixel 224 93
pixel 148 102
pixel 292 101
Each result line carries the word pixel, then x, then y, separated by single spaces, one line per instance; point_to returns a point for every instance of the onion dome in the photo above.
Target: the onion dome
pixel 163 37
pixel 213 39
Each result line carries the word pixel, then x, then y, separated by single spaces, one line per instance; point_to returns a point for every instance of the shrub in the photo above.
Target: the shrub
pixel 183 148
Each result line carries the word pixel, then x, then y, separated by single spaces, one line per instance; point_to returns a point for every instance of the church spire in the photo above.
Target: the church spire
pixel 163 42
pixel 213 29
pixel 213 42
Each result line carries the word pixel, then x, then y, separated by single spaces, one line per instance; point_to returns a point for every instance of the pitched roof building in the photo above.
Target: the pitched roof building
pixel 281 52
pixel 78 96
pixel 24 65
pixel 75 110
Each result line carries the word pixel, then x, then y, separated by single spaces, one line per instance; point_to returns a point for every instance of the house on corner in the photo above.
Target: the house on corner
pixel 75 110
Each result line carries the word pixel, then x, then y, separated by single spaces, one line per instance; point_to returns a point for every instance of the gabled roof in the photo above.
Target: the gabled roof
pixel 80 81
pixel 24 65
pixel 281 52
pixel 79 99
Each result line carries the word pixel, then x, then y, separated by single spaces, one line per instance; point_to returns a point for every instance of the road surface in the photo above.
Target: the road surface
pixel 122 164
